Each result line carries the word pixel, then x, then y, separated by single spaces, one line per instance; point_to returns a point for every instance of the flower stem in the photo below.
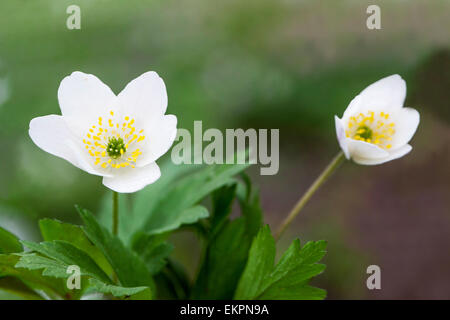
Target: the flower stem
pixel 332 166
pixel 115 219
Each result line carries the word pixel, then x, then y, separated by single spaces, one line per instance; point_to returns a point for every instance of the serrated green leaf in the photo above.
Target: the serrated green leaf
pixel 130 268
pixel 51 267
pixel 135 293
pixel 259 265
pixel 294 259
pixel 32 278
pixel 9 243
pixel 65 254
pixel 289 278
pixel 56 230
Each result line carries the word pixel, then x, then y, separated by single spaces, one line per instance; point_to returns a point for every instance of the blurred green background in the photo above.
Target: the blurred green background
pixel 287 64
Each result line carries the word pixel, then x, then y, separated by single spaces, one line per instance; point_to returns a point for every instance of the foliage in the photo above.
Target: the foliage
pixel 237 260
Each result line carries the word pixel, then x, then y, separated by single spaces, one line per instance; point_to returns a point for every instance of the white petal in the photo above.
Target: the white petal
pixel 361 149
pixel 159 136
pixel 387 94
pixel 395 154
pixel 340 134
pixel 83 98
pixel 144 97
pixel 352 109
pixel 51 134
pixel 128 179
pixel 406 123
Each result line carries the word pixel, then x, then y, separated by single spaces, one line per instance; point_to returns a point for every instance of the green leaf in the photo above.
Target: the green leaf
pixel 56 230
pixel 289 278
pixel 224 262
pixel 64 255
pixel 296 261
pixel 219 276
pixel 259 265
pixel 32 278
pixel 9 243
pixel 251 210
pixel 52 268
pixel 170 212
pixel 136 293
pixel 222 204
pixel 296 292
pixel 130 268
pixel 147 200
pixel 132 218
pixel 153 250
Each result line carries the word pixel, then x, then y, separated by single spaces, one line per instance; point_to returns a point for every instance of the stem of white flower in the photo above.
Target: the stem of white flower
pixel 332 166
pixel 115 213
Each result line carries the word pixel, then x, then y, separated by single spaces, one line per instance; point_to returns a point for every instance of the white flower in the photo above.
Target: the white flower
pixel 116 137
pixel 376 128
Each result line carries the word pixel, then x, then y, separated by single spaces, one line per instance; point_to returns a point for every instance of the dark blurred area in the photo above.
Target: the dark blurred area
pixel 287 64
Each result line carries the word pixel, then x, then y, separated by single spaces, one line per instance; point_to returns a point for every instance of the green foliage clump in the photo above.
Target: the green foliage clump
pixel 238 260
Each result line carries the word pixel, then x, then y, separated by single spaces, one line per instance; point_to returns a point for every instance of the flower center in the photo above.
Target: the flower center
pixel 115 147
pixel 115 144
pixel 371 127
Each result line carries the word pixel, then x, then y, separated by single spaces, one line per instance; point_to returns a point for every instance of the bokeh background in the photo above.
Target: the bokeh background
pixel 287 64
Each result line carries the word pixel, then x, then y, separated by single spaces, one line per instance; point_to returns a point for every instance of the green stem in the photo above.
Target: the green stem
pixel 332 166
pixel 115 219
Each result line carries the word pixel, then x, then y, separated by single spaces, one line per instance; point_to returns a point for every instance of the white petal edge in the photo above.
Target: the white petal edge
pixel 387 94
pixel 352 109
pixel 51 134
pixel 128 179
pixel 144 97
pixel 340 134
pixel 365 150
pixel 406 123
pixel 160 135
pixel 395 154
pixel 83 98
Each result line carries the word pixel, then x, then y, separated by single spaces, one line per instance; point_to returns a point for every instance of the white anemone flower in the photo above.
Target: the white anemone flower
pixel 116 137
pixel 376 128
